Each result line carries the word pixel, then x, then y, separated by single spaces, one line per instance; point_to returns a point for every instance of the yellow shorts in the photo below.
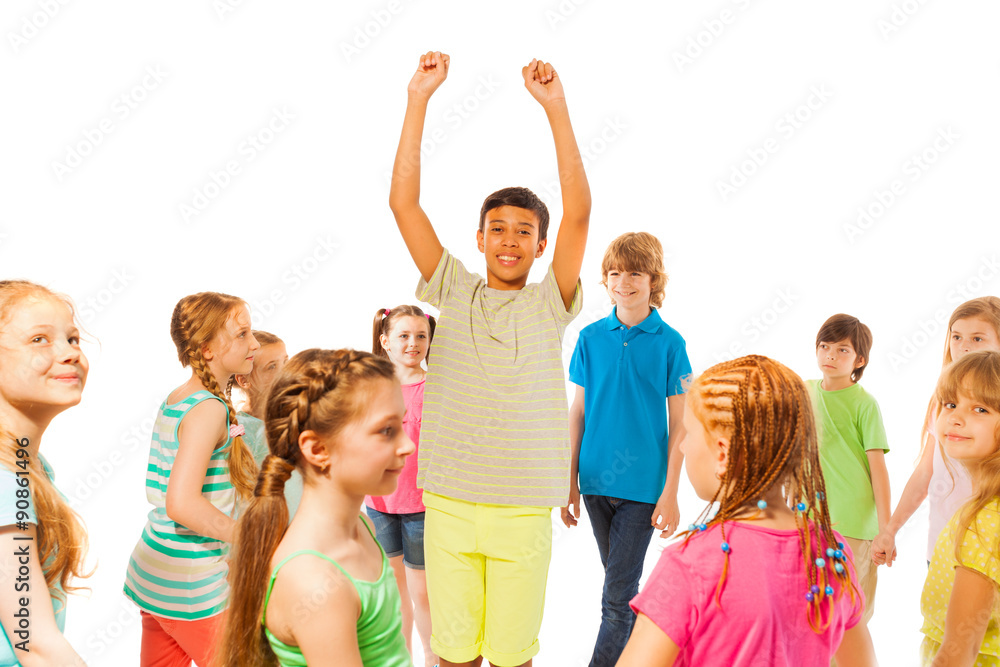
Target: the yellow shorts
pixel 487 566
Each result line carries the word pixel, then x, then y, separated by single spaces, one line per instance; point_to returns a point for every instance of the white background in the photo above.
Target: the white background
pixel 94 185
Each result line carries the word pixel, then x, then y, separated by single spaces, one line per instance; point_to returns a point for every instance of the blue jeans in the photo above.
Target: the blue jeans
pixel 623 531
pixel 400 534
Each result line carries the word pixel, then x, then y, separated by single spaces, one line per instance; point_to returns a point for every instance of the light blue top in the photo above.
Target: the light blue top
pixel 8 517
pixel 627 375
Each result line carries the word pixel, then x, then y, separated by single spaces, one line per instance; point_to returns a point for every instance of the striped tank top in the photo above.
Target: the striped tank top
pixel 173 571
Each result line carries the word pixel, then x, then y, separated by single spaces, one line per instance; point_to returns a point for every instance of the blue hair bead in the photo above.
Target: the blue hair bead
pixel 840 545
pixel 762 504
pixel 838 554
pixel 725 547
pixel 820 562
pixel 809 596
pixel 829 590
pixel 839 567
pixel 801 507
pixel 702 526
pixel 830 553
pixel 820 495
pixel 814 589
pixel 691 527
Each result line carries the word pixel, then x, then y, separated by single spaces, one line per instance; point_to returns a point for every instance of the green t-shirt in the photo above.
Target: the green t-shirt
pixel 849 424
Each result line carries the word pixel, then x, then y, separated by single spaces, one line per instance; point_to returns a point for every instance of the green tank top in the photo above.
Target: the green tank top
pixel 380 624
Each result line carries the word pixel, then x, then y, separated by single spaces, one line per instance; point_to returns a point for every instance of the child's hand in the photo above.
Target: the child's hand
pixel 542 82
pixel 431 72
pixel 570 518
pixel 884 549
pixel 666 516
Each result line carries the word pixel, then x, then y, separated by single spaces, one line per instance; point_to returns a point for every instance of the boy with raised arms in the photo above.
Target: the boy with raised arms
pixel 494 443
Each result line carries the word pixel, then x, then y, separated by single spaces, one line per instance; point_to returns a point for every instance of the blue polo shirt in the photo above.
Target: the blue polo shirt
pixel 627 375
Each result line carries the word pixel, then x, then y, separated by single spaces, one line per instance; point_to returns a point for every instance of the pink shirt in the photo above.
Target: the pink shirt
pixel 762 619
pixel 407 498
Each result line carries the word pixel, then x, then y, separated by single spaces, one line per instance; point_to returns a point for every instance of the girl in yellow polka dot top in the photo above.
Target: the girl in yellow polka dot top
pixel 960 601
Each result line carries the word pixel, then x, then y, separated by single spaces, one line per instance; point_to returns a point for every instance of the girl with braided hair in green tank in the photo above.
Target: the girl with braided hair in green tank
pixel 320 591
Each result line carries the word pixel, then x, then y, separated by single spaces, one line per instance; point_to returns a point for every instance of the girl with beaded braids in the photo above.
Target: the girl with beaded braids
pixel 320 590
pixel 199 467
pixel 764 580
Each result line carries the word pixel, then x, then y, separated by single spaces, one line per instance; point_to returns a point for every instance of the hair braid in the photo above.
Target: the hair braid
pixel 765 411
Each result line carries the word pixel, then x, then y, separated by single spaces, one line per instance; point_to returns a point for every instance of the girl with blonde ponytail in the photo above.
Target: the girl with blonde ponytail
pixel 199 468
pixel 42 541
pixel 320 590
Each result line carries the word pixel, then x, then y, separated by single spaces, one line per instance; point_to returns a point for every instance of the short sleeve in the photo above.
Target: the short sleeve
pixel 553 298
pixel 979 546
pixel 679 368
pixel 577 367
pixel 9 488
pixel 668 600
pixel 451 280
pixel 872 429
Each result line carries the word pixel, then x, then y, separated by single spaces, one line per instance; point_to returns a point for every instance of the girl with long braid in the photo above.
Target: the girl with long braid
pixel 42 541
pixel 320 590
pixel 199 468
pixel 765 580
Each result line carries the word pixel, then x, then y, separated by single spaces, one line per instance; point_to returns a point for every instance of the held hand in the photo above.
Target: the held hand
pixel 431 72
pixel 884 549
pixel 542 82
pixel 666 516
pixel 570 518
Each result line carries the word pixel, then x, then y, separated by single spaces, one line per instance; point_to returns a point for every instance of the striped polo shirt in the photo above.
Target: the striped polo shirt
pixel 495 428
pixel 173 571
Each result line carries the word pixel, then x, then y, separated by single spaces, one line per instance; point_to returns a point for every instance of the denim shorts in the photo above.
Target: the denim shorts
pixel 400 534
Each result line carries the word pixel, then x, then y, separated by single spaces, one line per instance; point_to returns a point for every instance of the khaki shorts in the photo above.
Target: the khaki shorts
pixel 487 566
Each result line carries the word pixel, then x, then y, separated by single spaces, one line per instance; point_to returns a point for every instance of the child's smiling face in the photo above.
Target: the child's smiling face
pixel 967 428
pixel 509 240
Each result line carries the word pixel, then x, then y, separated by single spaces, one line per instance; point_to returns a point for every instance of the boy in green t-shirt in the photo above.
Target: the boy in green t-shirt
pixel 852 443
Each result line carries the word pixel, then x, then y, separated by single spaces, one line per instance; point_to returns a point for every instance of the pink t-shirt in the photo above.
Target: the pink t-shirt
pixel 762 619
pixel 407 498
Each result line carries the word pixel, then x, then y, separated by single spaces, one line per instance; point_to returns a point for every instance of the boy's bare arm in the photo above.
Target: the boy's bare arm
pixel 880 485
pixel 544 85
pixel 667 514
pixel 404 192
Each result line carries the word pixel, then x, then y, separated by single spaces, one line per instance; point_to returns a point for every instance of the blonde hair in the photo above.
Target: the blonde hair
pixel 195 322
pixel 976 375
pixel 637 251
pixel 62 539
pixel 317 390
pixel 764 409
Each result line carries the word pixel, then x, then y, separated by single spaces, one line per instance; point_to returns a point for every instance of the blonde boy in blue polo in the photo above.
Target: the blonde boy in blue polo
pixel 494 446
pixel 629 369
